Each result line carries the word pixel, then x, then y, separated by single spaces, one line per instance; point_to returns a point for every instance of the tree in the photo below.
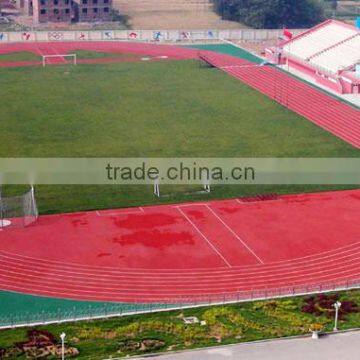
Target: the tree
pixel 272 13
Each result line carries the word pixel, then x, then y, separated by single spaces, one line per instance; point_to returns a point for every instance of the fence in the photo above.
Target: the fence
pixel 144 35
pixel 108 310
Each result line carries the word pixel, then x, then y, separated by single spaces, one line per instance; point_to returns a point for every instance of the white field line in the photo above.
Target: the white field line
pixel 257 201
pixel 136 211
pixel 187 205
pixel 204 237
pixel 235 234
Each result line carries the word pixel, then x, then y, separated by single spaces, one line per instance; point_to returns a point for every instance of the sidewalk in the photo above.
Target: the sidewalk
pixel 342 346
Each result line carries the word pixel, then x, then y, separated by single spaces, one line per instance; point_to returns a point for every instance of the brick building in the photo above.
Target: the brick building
pixel 68 10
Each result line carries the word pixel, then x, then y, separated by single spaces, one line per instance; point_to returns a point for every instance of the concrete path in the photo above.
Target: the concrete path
pixel 342 346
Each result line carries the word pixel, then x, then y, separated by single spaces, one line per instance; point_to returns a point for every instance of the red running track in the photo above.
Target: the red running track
pixel 323 110
pixel 186 251
pixel 62 48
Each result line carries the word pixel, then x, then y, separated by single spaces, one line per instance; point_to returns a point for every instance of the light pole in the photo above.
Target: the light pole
pixel 62 337
pixel 337 306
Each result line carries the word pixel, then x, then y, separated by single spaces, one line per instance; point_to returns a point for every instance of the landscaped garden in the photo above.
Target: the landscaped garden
pixel 167 331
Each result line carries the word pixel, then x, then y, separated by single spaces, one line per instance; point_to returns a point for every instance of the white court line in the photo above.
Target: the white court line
pixel 234 233
pixel 140 210
pixel 204 237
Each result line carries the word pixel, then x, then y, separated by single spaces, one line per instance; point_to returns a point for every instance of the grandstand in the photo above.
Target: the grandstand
pixel 328 52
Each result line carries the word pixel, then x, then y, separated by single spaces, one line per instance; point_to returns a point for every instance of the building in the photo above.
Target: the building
pixel 329 53
pixel 67 10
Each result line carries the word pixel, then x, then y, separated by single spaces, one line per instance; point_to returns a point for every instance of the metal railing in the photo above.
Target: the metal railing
pixel 109 310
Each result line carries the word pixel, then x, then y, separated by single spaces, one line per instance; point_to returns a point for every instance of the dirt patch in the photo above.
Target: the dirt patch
pixel 172 14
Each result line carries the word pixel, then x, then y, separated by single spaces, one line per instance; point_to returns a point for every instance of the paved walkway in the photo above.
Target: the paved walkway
pixel 343 346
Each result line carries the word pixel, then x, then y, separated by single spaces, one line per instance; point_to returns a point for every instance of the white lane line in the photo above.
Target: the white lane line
pixel 187 205
pixel 257 201
pixel 136 211
pixel 235 234
pixel 56 53
pixel 204 237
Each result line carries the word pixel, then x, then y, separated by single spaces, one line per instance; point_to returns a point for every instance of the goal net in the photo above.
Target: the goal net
pixel 18 211
pixel 59 59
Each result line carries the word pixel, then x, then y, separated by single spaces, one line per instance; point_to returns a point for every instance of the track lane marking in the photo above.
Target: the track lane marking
pixel 257 201
pixel 287 263
pixel 139 210
pixel 204 237
pixel 124 279
pixel 235 234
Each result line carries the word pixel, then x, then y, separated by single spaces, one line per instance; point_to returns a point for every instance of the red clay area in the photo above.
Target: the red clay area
pixel 186 251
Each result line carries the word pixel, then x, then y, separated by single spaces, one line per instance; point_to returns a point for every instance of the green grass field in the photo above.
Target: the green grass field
pixel 160 109
pixel 20 56
pixel 85 54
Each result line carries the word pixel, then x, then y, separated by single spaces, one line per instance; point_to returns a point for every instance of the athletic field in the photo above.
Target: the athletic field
pixel 138 108
pixel 138 103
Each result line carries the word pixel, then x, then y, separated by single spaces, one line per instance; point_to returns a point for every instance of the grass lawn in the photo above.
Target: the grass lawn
pixel 85 54
pixel 160 109
pixel 224 325
pixel 20 56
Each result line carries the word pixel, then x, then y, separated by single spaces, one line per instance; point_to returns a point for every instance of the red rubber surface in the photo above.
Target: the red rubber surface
pixel 325 111
pixel 62 48
pixel 163 253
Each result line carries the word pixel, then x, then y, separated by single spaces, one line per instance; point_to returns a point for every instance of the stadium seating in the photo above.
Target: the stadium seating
pixel 341 56
pixel 332 46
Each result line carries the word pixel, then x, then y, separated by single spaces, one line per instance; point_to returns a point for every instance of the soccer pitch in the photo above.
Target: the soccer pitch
pixel 147 109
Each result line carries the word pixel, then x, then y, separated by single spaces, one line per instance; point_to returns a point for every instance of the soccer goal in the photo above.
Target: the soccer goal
pixel 58 59
pixel 18 211
pixel 188 190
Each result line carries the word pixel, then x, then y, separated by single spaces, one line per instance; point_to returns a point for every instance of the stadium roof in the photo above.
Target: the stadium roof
pixel 332 46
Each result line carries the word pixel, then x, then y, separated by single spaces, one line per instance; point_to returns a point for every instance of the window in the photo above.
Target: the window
pixel 84 11
pixel 67 2
pixel 106 1
pixel 42 11
pixel 56 2
pixel 67 11
pixel 56 11
pixel 95 1
pixel 43 2
pixel 95 10
pixel 106 10
pixel 84 1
